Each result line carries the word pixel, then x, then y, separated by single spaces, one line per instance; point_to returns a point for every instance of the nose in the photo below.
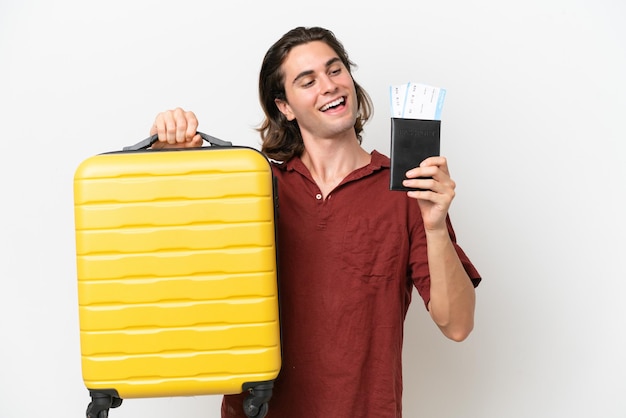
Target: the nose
pixel 327 84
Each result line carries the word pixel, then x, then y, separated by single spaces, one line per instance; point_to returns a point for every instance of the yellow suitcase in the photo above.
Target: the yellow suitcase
pixel 177 278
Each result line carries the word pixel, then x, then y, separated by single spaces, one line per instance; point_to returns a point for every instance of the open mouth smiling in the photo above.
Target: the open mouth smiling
pixel 335 103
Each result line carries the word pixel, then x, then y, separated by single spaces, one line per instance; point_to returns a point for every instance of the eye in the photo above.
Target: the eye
pixel 307 82
pixel 335 70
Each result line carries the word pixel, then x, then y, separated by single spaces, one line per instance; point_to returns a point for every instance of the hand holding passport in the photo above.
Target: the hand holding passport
pixel 415 128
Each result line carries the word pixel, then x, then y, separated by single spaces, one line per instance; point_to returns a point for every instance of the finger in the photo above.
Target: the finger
pixel 436 161
pixel 153 129
pixel 192 126
pixel 158 127
pixel 421 194
pixel 196 141
pixel 180 127
pixel 167 127
pixel 421 184
pixel 441 184
pixel 443 200
pixel 427 166
pixel 436 168
pixel 423 170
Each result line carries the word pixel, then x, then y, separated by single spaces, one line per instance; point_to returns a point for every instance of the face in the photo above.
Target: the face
pixel 320 92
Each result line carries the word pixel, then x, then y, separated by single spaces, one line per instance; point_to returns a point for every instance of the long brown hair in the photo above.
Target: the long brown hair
pixel 281 138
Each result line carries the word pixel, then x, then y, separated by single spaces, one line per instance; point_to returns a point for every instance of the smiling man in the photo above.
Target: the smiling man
pixel 350 250
pixel 320 97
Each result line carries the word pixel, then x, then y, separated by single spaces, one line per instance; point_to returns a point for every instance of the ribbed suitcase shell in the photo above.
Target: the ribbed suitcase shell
pixel 176 265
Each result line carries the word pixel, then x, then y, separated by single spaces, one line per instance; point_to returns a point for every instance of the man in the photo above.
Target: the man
pixel 350 250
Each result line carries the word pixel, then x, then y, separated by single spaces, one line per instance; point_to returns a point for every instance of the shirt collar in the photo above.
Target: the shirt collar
pixel 377 162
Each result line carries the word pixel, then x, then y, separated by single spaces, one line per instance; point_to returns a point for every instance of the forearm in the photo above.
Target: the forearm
pixel 452 296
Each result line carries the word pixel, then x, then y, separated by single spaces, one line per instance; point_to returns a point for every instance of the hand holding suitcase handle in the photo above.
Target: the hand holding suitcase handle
pixel 154 138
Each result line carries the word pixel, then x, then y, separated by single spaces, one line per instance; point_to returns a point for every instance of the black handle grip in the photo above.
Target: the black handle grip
pixel 154 138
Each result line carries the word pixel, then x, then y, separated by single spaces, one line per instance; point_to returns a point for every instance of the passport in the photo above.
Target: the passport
pixel 412 141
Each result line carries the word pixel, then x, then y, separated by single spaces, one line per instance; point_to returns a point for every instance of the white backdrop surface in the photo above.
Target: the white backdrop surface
pixel 533 128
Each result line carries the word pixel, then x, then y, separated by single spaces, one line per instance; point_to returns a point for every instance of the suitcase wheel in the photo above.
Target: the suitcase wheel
pixel 256 404
pixel 100 404
pixel 253 411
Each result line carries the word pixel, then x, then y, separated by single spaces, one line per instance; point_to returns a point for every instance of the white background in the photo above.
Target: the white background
pixel 533 127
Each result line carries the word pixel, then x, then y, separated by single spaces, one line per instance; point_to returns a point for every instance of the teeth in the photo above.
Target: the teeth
pixel 332 104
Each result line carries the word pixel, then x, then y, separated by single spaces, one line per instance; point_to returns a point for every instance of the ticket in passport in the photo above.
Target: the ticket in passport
pixel 416 101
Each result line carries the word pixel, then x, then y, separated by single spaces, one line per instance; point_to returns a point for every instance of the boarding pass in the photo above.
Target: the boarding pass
pixel 416 101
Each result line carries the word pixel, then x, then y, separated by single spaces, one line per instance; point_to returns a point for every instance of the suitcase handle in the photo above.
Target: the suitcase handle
pixel 154 138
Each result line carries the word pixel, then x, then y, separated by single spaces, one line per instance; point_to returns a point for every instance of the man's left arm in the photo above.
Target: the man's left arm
pixel 452 295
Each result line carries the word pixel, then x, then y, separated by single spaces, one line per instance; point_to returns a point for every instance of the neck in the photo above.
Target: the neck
pixel 330 161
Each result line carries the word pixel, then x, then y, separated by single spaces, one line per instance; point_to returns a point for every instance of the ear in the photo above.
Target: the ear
pixel 285 109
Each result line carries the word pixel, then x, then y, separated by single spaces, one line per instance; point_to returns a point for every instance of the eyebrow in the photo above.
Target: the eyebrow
pixel 309 72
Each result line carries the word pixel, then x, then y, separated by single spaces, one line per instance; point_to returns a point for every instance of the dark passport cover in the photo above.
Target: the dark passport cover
pixel 412 141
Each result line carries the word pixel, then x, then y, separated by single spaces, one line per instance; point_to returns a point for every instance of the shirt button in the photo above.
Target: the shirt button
pixel 318 196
